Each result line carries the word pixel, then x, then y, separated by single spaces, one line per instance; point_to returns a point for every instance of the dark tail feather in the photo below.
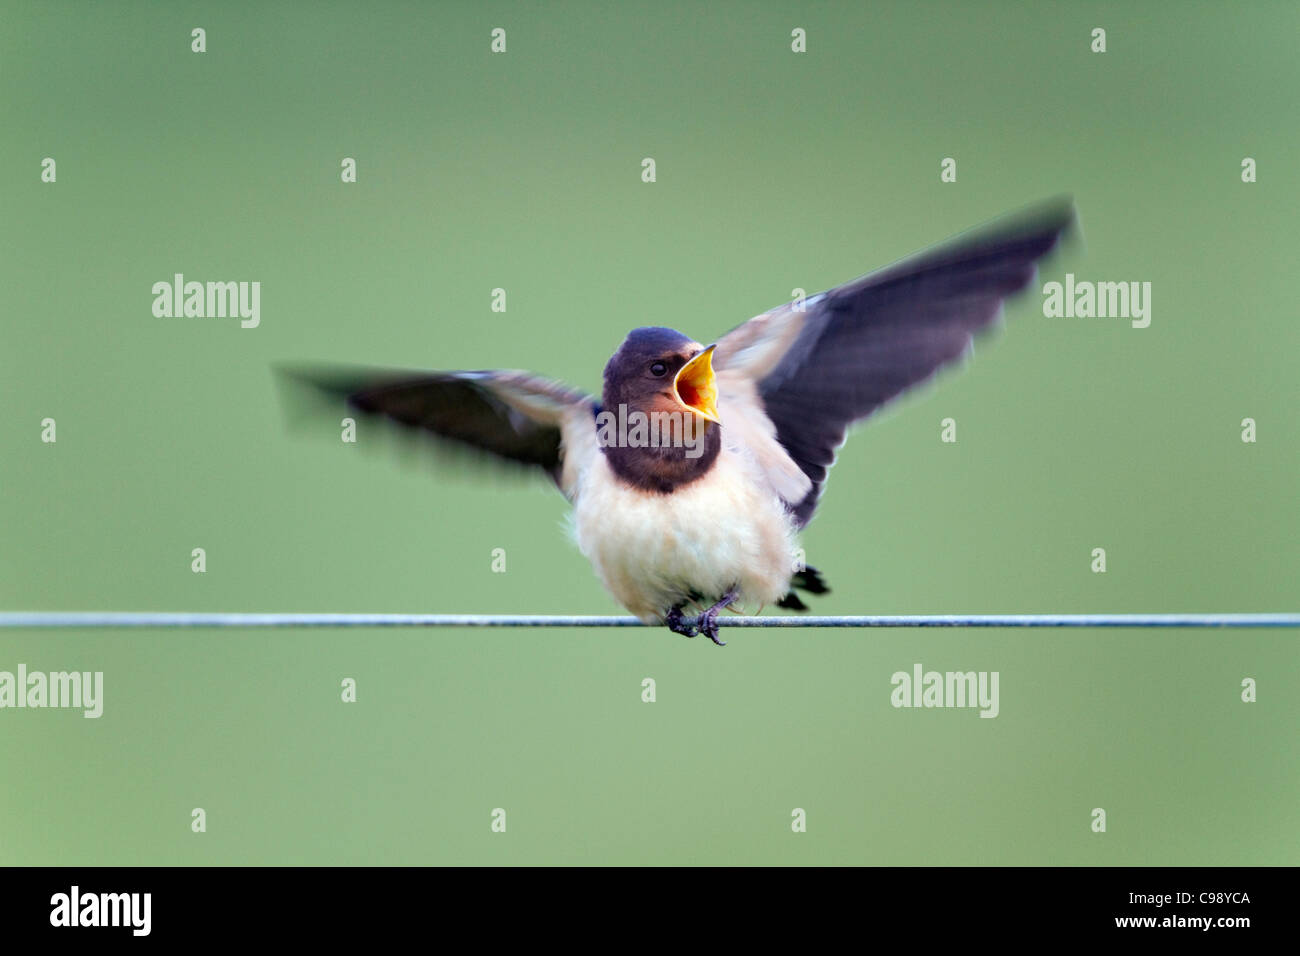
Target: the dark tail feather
pixel 810 580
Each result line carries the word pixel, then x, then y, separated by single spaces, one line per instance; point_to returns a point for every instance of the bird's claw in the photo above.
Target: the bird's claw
pixel 708 624
pixel 679 623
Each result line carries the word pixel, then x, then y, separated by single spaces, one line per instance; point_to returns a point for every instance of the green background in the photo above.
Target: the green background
pixel 522 171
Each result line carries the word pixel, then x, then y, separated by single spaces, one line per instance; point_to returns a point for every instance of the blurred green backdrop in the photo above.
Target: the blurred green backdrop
pixel 776 170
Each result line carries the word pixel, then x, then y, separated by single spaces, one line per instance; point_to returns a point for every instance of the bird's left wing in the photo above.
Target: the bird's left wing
pixel 804 374
pixel 513 417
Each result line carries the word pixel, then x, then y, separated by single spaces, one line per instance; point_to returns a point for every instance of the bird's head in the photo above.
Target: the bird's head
pixel 658 424
pixel 661 370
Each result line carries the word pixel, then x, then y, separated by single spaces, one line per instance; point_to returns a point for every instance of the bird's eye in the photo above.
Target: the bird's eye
pixel 658 369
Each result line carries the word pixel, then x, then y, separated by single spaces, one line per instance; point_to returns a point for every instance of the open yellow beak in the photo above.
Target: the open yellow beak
pixel 696 388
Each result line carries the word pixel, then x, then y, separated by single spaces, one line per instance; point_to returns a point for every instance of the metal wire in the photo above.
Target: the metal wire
pixel 188 619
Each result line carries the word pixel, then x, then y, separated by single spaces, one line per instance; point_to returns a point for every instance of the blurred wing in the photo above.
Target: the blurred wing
pixel 512 416
pixel 853 349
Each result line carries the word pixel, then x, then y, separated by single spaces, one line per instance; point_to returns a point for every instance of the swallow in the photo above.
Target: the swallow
pixel 694 471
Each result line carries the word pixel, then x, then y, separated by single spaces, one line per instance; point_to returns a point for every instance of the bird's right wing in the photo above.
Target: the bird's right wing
pixel 513 417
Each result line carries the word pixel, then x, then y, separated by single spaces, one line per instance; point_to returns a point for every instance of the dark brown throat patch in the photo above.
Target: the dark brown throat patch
pixel 663 469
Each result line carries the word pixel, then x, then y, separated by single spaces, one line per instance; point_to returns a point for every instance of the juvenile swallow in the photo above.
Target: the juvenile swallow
pixel 692 474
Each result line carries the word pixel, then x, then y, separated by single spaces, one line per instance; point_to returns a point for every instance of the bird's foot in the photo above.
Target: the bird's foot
pixel 708 621
pixel 679 623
